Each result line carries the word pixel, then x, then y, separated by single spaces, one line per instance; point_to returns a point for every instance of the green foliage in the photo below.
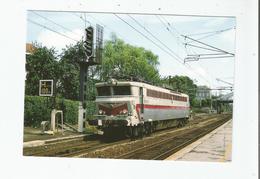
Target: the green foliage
pixel 91 109
pixel 195 102
pixel 38 109
pixel 205 103
pixel 182 84
pixel 69 64
pixel 70 68
pixel 70 110
pixel 121 59
pixel 42 64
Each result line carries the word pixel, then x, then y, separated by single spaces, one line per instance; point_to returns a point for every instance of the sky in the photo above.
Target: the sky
pixel 166 34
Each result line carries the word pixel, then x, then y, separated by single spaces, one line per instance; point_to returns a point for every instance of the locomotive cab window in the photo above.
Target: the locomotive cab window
pixel 122 90
pixel 104 91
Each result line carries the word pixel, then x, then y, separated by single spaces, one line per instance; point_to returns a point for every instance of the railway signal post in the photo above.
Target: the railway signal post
pixel 92 57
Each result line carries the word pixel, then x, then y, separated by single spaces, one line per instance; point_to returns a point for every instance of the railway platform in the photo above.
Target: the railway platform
pixel 34 137
pixel 214 147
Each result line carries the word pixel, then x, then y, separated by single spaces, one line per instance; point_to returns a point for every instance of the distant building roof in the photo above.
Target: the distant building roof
pixel 29 48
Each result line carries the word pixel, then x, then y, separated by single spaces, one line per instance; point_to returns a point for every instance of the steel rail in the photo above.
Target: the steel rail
pixel 166 154
pixel 146 148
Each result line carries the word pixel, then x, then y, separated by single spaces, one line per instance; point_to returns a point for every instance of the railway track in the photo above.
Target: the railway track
pixel 77 151
pixel 86 152
pixel 169 145
pixel 88 145
pixel 70 148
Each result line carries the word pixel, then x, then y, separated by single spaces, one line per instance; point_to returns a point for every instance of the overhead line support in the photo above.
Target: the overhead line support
pixel 208 45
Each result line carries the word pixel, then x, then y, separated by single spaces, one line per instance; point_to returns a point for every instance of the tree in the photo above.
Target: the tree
pixel 69 63
pixel 69 80
pixel 121 59
pixel 41 64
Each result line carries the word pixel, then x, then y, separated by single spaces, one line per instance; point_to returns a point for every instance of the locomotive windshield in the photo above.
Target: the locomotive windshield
pixel 116 90
pixel 121 90
pixel 104 91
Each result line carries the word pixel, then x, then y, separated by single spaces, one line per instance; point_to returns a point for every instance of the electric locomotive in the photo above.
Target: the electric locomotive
pixel 136 108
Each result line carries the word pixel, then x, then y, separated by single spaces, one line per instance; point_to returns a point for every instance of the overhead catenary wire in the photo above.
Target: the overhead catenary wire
pixel 147 38
pixel 51 30
pixel 166 23
pixel 207 45
pixel 198 55
pixel 76 40
pixel 66 36
pixel 63 27
pixel 176 58
pixel 217 31
pixel 83 19
pixel 200 65
pixel 166 27
pixel 187 66
pixel 153 35
pixel 218 79
pixel 165 46
pixel 210 34
pixel 190 68
pixel 201 47
pixel 206 54
pixel 217 57
pixel 169 24
pixel 101 23
pixel 171 27
pixel 204 37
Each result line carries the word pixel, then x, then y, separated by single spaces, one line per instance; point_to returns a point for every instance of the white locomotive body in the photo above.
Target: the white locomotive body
pixel 137 107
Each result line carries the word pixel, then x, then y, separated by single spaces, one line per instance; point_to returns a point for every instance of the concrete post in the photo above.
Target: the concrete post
pixel 53 120
pixel 80 117
pixel 53 114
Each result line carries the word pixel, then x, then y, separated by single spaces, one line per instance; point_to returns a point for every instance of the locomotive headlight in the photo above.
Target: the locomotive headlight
pixel 100 112
pixel 125 111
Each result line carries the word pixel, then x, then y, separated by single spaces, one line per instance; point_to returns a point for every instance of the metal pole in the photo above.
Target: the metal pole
pixel 82 76
pixel 62 122
pixel 82 95
pixel 83 82
pixel 210 100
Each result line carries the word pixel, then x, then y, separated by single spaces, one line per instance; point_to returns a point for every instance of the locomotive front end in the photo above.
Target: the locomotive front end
pixel 112 114
pixel 114 106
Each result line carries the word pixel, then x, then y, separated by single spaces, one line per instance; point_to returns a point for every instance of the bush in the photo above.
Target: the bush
pixel 38 109
pixel 90 108
pixel 70 110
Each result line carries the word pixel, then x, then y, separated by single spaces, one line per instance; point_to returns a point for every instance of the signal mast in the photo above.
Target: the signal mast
pixel 92 57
